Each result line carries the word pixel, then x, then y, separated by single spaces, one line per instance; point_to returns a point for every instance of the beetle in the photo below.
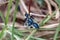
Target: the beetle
pixel 29 21
pixel 35 25
pixel 18 8
pixel 26 15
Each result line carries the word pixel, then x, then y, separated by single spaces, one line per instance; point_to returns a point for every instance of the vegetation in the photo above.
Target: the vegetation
pixel 44 12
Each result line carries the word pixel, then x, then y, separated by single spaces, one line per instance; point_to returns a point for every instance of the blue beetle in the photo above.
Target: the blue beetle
pixel 30 21
pixel 26 15
pixel 35 25
pixel 18 8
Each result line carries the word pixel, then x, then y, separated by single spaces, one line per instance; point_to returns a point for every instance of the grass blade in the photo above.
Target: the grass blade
pixel 57 31
pixel 14 17
pixel 46 19
pixel 8 11
pixel 38 38
pixel 2 17
pixel 6 20
pixel 31 34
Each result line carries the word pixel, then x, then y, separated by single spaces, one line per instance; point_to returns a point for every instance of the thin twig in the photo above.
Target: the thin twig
pixel 32 33
pixel 56 7
pixel 49 7
pixel 50 26
pixel 23 4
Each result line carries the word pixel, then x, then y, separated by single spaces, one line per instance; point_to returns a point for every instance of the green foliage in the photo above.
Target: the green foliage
pixel 2 16
pixel 18 34
pixel 12 38
pixel 46 19
pixel 58 2
pixel 8 11
pixel 6 20
pixel 40 2
pixel 57 31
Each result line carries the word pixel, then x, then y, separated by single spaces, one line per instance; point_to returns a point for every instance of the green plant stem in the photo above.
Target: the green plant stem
pixel 8 11
pixel 37 38
pixel 2 17
pixel 14 18
pixel 31 34
pixel 57 31
pixel 2 32
pixel 49 29
pixel 6 20
pixel 46 19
